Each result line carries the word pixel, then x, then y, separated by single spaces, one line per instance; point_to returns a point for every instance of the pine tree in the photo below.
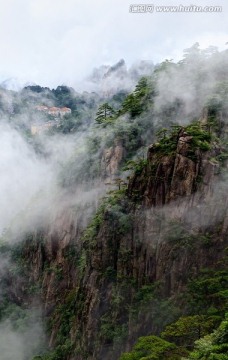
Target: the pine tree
pixel 105 114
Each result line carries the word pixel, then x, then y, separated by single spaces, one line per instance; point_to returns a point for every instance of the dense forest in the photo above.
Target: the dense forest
pixel 120 249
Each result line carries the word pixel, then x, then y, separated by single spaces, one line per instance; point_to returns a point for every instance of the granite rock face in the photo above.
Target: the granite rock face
pixel 111 160
pixel 173 194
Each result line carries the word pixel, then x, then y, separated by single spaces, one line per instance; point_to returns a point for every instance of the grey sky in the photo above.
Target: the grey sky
pixel 52 42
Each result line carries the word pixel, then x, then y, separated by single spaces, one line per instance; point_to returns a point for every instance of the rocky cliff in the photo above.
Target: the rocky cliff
pixel 125 275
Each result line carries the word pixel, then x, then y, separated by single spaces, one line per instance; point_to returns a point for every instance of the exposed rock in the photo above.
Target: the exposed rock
pixel 177 189
pixel 111 160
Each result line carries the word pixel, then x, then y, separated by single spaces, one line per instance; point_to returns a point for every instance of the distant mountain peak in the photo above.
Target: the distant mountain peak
pixel 116 68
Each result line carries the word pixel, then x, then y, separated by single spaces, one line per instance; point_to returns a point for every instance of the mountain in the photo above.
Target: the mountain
pixel 128 260
pixel 111 79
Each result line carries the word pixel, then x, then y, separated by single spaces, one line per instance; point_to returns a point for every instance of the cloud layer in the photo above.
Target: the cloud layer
pixel 53 42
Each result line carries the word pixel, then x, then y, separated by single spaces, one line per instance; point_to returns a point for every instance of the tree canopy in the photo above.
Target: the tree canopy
pixel 105 114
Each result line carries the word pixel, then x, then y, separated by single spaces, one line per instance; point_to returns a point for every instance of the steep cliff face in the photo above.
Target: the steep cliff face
pixel 103 287
pixel 174 219
pixel 111 160
pixel 176 175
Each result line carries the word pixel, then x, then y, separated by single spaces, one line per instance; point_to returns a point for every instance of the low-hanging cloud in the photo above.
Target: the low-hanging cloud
pixel 31 190
pixel 193 82
pixel 23 174
pixel 24 339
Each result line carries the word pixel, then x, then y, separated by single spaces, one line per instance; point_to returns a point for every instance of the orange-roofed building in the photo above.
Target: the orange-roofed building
pixel 55 111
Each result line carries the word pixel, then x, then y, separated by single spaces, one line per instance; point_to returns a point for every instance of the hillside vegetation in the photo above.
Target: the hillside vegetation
pixel 141 271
